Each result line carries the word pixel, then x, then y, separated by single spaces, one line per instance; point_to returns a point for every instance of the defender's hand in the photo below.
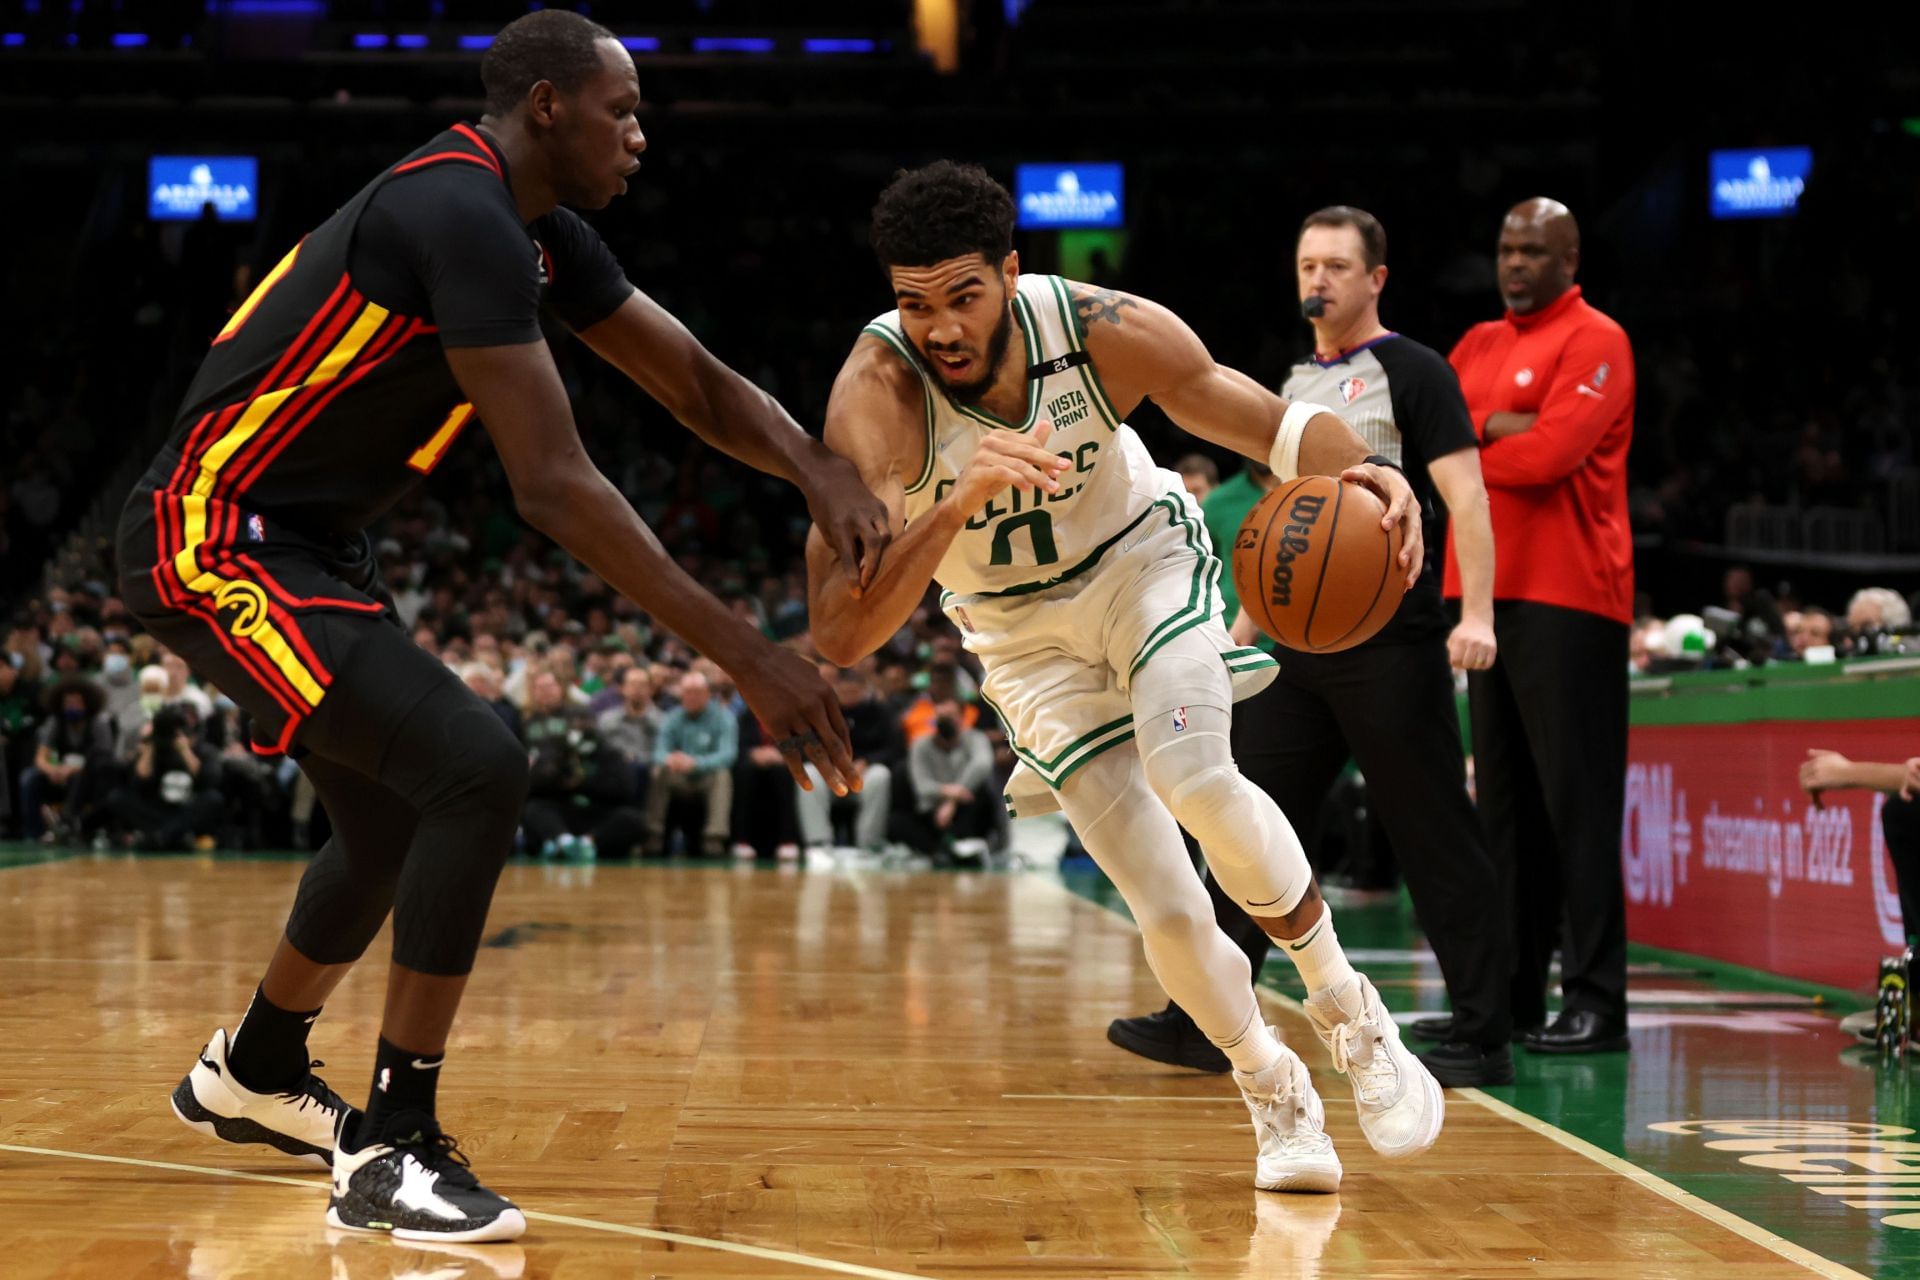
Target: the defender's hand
pixel 801 712
pixel 851 519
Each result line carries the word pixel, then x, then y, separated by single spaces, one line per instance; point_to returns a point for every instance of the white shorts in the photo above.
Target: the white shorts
pixel 1060 662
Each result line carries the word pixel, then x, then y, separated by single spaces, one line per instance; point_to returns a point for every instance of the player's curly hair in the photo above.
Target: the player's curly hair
pixel 939 211
pixel 549 44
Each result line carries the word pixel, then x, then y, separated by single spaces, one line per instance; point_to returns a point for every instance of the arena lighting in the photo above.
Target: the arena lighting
pixel 640 44
pixel 410 41
pixel 1758 183
pixel 1053 196
pixel 13 39
pixel 129 40
pixel 268 8
pixel 482 42
pixel 828 44
pixel 370 40
pixel 732 44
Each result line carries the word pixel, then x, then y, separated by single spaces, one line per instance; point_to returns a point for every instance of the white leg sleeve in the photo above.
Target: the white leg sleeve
pixel 1183 718
pixel 1134 839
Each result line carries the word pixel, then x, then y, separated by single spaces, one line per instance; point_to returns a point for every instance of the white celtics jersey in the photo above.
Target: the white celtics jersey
pixel 1026 540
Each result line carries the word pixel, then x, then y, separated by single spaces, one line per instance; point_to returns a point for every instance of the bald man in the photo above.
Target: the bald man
pixel 1549 387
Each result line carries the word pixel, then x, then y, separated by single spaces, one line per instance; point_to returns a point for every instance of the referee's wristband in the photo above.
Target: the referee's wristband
pixel 1375 460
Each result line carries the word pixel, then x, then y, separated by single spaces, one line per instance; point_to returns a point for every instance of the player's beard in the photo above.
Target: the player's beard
pixel 970 391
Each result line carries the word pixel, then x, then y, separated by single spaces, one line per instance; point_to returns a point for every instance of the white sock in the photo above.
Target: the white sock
pixel 1252 1048
pixel 1318 957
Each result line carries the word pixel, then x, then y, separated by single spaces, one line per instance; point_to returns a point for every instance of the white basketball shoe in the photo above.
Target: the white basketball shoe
pixel 1295 1152
pixel 300 1122
pixel 1399 1101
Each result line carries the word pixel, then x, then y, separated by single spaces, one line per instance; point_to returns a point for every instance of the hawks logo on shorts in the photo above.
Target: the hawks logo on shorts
pixel 249 603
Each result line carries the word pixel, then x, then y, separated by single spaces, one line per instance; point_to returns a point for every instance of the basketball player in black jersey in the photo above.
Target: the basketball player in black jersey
pixel 338 385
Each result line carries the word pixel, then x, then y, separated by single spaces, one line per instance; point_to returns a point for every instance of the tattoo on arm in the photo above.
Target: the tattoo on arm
pixel 1093 305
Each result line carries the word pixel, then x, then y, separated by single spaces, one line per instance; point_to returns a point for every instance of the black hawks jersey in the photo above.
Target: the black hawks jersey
pixel 327 395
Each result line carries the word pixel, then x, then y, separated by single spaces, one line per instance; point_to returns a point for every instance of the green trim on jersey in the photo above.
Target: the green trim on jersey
pixel 926 398
pixel 1076 334
pixel 1031 341
pixel 1070 757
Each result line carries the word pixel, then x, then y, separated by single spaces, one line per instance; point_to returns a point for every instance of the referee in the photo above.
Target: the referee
pixel 1388 703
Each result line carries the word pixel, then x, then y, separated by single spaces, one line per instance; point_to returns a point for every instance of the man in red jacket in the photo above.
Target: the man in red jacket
pixel 1550 390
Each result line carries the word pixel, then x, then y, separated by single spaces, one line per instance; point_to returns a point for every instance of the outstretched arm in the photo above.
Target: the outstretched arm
pixel 1142 350
pixel 875 419
pixel 647 344
pixel 518 395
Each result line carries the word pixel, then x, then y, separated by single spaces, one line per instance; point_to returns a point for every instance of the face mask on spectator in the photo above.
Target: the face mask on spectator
pixel 73 713
pixel 946 728
pixel 152 702
pixel 115 665
pixel 224 703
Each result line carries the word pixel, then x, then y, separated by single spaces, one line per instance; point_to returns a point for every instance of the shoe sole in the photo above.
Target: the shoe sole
pixel 1304 1181
pixel 1157 1051
pixel 239 1130
pixel 510 1225
pixel 1614 1044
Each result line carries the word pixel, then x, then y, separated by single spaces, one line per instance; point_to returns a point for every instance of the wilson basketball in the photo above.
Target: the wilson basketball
pixel 1314 569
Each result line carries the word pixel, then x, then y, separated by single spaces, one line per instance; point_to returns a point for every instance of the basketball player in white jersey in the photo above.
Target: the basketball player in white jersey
pixel 986 412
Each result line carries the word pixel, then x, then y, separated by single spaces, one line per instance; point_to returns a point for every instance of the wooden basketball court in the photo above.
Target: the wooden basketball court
pixel 722 1072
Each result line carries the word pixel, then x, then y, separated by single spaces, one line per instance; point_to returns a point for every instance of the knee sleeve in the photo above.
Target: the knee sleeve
pixel 396 715
pixel 1248 842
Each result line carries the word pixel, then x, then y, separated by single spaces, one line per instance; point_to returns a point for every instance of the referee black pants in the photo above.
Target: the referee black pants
pixel 1550 766
pixel 1390 707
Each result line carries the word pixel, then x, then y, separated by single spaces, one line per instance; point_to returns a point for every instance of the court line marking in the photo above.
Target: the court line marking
pixel 1772 1243
pixel 615 1228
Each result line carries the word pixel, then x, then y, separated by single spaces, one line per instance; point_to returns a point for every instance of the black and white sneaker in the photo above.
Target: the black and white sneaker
pixel 300 1122
pixel 418 1187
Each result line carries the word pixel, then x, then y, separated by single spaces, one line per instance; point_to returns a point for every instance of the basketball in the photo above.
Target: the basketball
pixel 1313 567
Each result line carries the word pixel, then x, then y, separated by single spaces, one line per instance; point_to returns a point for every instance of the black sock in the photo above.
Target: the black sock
pixel 402 1081
pixel 268 1052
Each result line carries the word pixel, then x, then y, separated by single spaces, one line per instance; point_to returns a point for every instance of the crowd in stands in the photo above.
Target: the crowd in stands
pixel 639 747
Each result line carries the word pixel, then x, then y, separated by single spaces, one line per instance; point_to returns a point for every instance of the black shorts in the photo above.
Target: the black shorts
pixel 263 612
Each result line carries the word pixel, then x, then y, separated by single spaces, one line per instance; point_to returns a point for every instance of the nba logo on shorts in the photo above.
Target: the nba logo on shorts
pixel 1350 389
pixel 1179 719
pixel 960 615
pixel 256 528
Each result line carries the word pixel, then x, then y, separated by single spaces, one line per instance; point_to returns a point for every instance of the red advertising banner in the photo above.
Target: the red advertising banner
pixel 1725 856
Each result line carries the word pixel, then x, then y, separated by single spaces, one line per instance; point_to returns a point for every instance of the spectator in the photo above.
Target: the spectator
pixel 77 735
pixel 171 803
pixel 954 796
pixel 20 716
pixel 484 679
pixel 117 681
pixel 943 682
pixel 1875 611
pixel 578 787
pixel 693 762
pixel 632 727
pixel 181 689
pixel 765 820
pixel 1824 771
pixel 1813 629
pixel 877 752
pixel 1201 475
